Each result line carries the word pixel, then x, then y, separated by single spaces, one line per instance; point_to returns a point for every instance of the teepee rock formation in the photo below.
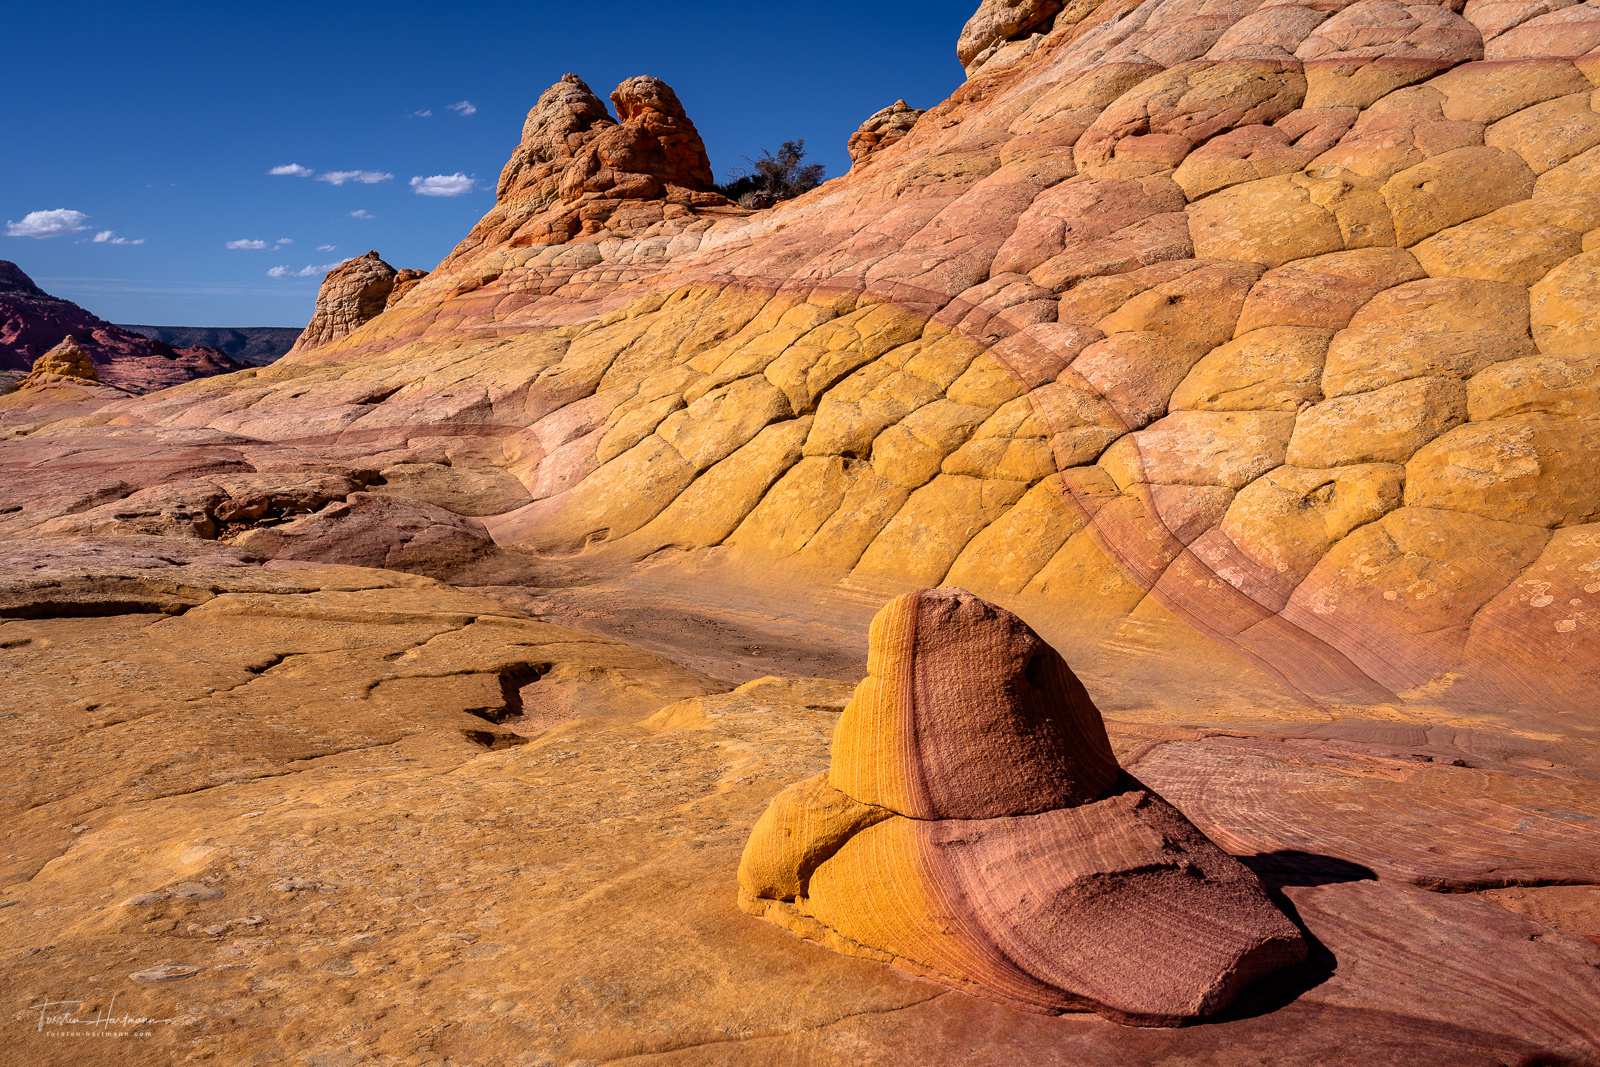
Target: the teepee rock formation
pixel 65 360
pixel 974 827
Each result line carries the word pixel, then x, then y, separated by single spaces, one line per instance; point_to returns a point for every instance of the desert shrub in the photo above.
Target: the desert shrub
pixel 783 175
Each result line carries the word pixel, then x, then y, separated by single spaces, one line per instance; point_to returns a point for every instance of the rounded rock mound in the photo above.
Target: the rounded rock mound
pixel 975 828
pixel 66 360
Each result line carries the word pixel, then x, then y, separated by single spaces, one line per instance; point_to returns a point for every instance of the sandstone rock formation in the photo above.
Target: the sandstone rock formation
pixel 579 174
pixel 1246 351
pixel 32 322
pixel 351 294
pixel 974 827
pixel 364 769
pixel 882 129
pixel 1205 344
pixel 1005 30
pixel 65 360
pixel 652 108
pixel 1210 332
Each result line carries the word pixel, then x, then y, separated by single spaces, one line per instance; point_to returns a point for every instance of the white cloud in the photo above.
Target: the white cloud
pixel 463 107
pixel 303 272
pixel 326 248
pixel 442 185
pixel 242 244
pixel 424 113
pixel 57 223
pixel 291 170
pixel 362 213
pixel 109 237
pixel 364 177
pixel 284 241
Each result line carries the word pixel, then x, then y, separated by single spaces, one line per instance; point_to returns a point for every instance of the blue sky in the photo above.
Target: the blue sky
pixel 146 131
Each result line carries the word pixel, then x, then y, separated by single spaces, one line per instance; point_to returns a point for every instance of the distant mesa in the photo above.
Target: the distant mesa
pixel 882 129
pixel 353 294
pixel 257 345
pixel 974 827
pixel 32 323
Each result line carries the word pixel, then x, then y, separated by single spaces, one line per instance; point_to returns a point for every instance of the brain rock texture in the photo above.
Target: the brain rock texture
pixel 1279 321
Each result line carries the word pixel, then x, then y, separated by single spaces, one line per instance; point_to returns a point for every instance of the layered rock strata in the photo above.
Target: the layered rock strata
pixel 974 827
pixel 1208 327
pixel 1228 345
pixel 1160 326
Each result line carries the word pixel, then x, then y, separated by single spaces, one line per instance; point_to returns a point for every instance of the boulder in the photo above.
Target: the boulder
pixel 974 827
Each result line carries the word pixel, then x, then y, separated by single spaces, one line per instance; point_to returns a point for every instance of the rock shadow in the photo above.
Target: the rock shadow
pixel 1292 867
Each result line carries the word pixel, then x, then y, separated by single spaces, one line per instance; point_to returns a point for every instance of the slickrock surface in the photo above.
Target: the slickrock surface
pixel 32 322
pixel 882 129
pixel 1248 351
pixel 299 794
pixel 1253 337
pixel 973 827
